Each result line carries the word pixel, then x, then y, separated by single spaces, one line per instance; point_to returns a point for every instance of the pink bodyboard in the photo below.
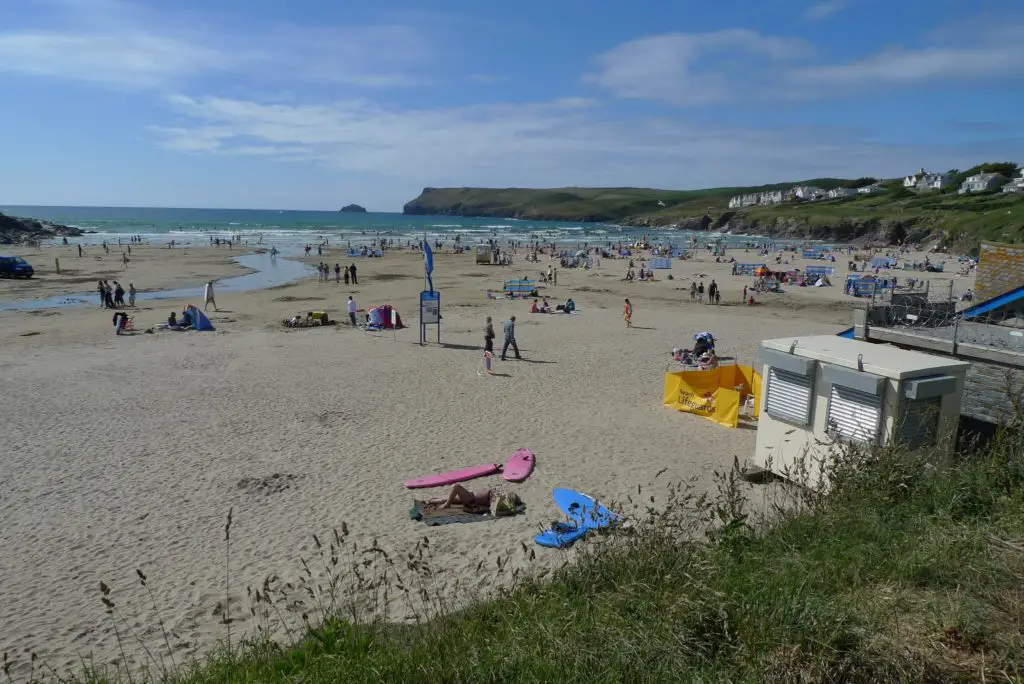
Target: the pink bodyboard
pixel 519 466
pixel 453 476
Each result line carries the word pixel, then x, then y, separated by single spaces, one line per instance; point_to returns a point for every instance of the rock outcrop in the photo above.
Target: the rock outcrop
pixel 353 209
pixel 14 230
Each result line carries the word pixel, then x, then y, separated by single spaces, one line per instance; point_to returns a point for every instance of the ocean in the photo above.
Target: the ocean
pixel 294 228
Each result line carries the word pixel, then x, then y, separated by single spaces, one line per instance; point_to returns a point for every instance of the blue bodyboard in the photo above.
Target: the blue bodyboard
pixel 584 514
pixel 583 509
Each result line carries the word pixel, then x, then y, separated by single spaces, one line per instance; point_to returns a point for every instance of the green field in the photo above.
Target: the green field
pixel 593 204
pixel 993 216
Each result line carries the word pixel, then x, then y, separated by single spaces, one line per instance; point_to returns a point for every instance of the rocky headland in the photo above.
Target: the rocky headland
pixel 15 230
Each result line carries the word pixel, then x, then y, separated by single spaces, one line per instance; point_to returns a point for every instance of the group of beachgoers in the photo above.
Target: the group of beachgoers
pixel 323 273
pixel 714 293
pixel 542 306
pixel 112 294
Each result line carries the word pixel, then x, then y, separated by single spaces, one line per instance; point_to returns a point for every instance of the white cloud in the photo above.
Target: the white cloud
pixel 535 144
pixel 115 43
pixel 979 56
pixel 139 59
pixel 674 67
pixel 823 10
pixel 678 69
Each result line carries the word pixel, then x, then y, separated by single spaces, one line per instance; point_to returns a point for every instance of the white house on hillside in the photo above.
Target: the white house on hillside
pixel 1016 185
pixel 925 180
pixel 981 182
pixel 806 192
pixel 935 181
pixel 912 180
pixel 869 189
pixel 839 193
pixel 756 199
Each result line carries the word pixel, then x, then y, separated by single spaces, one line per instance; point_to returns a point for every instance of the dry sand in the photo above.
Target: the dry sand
pixel 128 452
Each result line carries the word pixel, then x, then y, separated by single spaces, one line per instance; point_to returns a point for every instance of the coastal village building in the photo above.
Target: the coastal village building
pixel 807 193
pixel 981 182
pixel 756 199
pixel 839 193
pixel 924 180
pixel 1016 185
pixel 869 189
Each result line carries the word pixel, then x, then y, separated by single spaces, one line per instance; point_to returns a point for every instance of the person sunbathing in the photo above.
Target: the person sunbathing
pixel 545 307
pixel 500 502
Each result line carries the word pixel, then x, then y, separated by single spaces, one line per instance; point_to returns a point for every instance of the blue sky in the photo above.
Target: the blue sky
pixel 312 104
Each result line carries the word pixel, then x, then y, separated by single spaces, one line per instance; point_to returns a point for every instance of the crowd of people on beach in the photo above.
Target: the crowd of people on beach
pixel 112 295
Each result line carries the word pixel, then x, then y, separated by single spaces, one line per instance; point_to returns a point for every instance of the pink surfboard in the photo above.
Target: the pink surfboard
pixel 519 466
pixel 453 476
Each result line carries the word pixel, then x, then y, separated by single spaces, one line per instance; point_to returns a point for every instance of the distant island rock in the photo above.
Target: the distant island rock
pixel 353 209
pixel 14 230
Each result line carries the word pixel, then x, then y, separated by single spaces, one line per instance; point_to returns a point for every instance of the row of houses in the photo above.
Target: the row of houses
pixel 979 182
pixel 807 193
pixel 922 180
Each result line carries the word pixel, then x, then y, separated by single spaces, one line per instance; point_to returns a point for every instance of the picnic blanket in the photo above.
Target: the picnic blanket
pixel 432 514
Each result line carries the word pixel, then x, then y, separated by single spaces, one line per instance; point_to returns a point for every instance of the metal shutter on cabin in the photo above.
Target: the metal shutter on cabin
pixel 788 396
pixel 919 426
pixel 853 414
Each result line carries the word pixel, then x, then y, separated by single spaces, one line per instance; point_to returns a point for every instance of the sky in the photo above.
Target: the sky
pixel 314 104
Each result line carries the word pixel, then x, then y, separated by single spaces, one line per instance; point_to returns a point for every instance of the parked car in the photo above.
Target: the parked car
pixel 15 267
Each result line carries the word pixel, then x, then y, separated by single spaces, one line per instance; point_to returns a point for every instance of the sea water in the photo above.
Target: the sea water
pixel 256 227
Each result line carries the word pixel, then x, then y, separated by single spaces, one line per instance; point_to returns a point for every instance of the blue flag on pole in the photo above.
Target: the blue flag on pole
pixel 428 263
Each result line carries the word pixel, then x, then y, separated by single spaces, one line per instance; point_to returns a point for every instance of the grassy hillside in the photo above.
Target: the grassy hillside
pixel 905 572
pixel 579 204
pixel 984 216
pixel 993 216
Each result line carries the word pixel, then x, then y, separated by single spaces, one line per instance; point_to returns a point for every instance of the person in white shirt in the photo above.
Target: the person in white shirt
pixel 352 310
pixel 208 296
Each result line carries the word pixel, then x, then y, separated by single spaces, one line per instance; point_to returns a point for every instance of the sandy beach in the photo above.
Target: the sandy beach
pixel 125 453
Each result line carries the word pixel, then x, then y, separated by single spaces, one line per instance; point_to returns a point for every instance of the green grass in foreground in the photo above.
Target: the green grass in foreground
pixel 905 572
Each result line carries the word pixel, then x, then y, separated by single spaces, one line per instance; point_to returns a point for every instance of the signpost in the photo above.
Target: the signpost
pixel 430 314
pixel 430 301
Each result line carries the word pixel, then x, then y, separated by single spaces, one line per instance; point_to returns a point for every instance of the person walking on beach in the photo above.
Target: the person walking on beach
pixel 337 273
pixel 118 295
pixel 108 295
pixel 79 250
pixel 693 292
pixel 208 296
pixel 510 339
pixel 131 295
pixel 489 336
pixel 101 288
pixel 627 314
pixel 712 291
pixel 346 274
pixel 352 273
pixel 352 311
pixel 700 293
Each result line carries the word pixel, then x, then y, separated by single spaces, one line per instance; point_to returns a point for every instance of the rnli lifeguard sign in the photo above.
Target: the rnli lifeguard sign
pixel 713 394
pixel 430 313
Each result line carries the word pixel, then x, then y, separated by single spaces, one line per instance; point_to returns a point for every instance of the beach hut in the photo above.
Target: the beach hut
pixel 822 392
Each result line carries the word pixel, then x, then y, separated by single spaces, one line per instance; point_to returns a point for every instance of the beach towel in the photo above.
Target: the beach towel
pixel 432 514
